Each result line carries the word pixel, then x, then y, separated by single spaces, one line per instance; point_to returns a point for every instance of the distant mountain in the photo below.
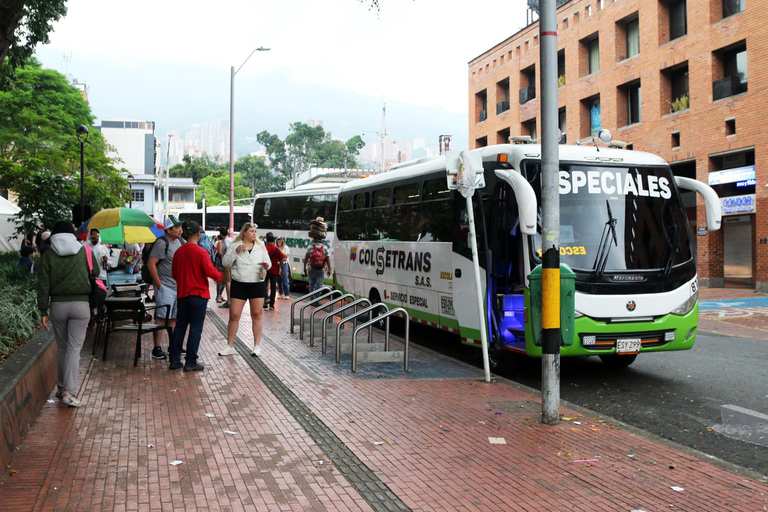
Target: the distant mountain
pixel 177 97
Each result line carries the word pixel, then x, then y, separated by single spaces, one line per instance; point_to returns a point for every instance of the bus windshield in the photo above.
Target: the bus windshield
pixel 616 219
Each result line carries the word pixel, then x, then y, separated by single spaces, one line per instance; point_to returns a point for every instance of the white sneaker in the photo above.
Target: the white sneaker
pixel 256 351
pixel 228 351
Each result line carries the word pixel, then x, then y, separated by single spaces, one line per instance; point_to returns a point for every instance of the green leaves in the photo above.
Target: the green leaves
pixel 40 154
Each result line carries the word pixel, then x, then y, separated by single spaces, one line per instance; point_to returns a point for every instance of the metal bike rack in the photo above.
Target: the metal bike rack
pixel 314 301
pixel 310 294
pixel 354 304
pixel 386 356
pixel 347 296
pixel 354 316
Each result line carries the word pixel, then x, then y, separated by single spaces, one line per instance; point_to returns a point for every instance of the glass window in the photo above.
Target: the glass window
pixel 381 197
pixel 436 189
pixel 731 7
pixel 137 195
pixel 633 37
pixel 678 19
pixel 594 56
pixel 638 206
pixel 633 103
pixel 407 193
pixel 345 203
pixel 361 201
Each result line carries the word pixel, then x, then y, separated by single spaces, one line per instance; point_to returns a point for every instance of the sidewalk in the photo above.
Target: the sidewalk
pixel 734 312
pixel 294 431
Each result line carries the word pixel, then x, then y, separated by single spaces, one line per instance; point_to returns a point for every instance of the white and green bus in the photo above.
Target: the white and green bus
pixel 402 238
pixel 287 214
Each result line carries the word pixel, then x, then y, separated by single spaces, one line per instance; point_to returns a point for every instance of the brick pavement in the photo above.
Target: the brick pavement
pixel 310 435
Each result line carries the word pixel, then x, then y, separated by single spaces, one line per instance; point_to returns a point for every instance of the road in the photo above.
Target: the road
pixel 713 398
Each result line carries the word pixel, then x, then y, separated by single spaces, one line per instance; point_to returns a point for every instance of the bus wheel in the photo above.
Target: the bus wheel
pixel 497 358
pixel 618 361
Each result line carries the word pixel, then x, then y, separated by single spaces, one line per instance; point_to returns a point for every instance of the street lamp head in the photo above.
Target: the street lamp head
pixel 262 49
pixel 82 133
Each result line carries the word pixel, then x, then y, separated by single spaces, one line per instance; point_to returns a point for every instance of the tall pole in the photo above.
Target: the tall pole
pixel 550 233
pixel 383 132
pixel 82 183
pixel 233 72
pixel 167 172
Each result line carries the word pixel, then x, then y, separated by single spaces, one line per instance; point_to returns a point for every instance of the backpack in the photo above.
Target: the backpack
pixel 317 260
pixel 145 275
pixel 205 243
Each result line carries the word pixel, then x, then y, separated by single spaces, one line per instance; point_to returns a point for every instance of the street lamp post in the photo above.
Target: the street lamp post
pixel 205 210
pixel 233 72
pixel 82 136
pixel 130 187
pixel 167 172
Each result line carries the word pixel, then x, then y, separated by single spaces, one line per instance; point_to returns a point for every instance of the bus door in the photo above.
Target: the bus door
pixel 464 292
pixel 506 276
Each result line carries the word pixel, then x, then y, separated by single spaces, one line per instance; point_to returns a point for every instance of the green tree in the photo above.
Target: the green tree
pixel 197 167
pixel 217 189
pixel 307 146
pixel 39 149
pixel 257 175
pixel 23 25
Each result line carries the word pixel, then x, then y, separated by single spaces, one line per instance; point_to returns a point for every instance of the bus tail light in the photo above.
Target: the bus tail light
pixel 687 306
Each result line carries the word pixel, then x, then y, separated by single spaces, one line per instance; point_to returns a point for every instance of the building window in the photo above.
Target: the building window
pixel 481 142
pixel 529 128
pixel 590 117
pixel 177 198
pixel 502 136
pixel 629 104
pixel 675 140
pixel 137 195
pixel 731 64
pixel 562 125
pixel 675 87
pixel 589 55
pixel 561 68
pixel 632 29
pixel 527 84
pixel 730 126
pixel 731 7
pixel 481 106
pixel 502 96
pixel 678 19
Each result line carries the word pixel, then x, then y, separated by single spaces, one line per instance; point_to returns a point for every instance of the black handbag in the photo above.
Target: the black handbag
pixel 98 291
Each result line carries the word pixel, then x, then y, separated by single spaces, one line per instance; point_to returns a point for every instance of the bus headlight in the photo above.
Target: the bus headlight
pixel 687 306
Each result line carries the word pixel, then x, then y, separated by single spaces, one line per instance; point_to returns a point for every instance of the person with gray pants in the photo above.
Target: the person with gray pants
pixel 63 287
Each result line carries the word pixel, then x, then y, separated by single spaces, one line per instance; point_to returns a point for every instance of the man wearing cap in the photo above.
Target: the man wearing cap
pixel 160 265
pixel 191 269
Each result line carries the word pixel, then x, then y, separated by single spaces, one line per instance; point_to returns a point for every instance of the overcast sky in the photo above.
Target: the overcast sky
pixel 414 51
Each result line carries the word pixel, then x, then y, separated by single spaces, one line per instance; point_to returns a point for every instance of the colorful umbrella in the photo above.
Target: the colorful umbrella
pixel 122 226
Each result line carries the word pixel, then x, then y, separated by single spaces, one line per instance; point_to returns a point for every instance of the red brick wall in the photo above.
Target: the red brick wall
pixel 701 127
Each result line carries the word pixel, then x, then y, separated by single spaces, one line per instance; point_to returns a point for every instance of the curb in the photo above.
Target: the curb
pixel 26 380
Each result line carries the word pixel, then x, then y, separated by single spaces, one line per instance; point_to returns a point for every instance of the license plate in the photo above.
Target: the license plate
pixel 628 346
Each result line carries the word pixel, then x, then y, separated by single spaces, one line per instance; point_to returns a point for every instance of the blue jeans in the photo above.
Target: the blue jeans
pixel 315 278
pixel 191 312
pixel 283 284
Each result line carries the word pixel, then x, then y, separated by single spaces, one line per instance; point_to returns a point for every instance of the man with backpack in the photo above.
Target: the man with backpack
pixel 317 255
pixel 160 264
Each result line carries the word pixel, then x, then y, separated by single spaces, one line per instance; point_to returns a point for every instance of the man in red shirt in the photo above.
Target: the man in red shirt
pixel 191 269
pixel 277 257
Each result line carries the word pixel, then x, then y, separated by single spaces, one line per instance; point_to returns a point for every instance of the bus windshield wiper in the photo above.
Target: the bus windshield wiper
pixel 604 249
pixel 673 242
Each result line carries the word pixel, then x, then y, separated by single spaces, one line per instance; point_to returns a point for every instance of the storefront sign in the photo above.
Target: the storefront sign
pixel 737 205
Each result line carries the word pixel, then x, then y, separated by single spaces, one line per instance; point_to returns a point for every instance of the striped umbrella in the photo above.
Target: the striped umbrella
pixel 122 226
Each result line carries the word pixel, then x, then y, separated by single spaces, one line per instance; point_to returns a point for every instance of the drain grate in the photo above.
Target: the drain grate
pixel 371 488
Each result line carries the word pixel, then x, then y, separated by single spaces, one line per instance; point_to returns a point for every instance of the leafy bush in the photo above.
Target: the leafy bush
pixel 561 81
pixel 19 316
pixel 681 103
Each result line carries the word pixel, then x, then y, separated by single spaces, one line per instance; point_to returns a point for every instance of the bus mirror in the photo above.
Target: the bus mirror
pixel 711 201
pixel 526 199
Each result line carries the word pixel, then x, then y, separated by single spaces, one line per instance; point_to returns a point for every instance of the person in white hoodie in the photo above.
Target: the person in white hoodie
pixel 246 256
pixel 63 287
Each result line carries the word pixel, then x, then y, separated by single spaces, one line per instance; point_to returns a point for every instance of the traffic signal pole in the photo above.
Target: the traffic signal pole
pixel 550 233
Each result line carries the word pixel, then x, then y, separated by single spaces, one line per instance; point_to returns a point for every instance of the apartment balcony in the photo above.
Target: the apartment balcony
pixel 527 94
pixel 502 106
pixel 728 86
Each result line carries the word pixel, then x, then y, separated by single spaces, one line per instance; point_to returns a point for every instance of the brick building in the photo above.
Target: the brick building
pixel 682 79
